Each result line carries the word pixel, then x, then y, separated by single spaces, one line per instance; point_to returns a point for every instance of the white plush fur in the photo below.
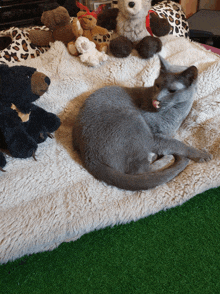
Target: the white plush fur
pixel 54 199
pixel 131 22
pixel 88 52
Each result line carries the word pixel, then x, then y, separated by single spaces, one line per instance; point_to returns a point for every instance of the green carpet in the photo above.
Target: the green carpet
pixel 173 251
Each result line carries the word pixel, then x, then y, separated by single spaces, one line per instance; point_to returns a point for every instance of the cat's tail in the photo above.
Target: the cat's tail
pixel 143 181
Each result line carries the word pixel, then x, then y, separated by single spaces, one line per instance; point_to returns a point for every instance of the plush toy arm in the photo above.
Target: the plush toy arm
pixel 24 105
pixel 107 19
pixel 159 26
pixel 41 38
pixel 18 142
pixel 99 30
pixel 41 124
pixel 76 28
pixel 8 117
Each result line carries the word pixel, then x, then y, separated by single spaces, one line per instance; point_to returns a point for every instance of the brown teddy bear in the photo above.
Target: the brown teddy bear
pixel 87 21
pixel 60 28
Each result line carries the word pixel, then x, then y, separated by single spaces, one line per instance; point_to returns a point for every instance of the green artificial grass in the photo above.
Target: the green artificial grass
pixel 173 251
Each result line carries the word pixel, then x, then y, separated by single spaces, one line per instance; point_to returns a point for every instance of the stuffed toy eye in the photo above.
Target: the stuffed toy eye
pixel 157 85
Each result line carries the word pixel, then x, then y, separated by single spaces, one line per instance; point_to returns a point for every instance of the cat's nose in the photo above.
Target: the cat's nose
pixel 131 4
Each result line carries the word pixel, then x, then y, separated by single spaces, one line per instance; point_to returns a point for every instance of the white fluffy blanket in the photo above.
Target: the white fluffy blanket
pixel 55 200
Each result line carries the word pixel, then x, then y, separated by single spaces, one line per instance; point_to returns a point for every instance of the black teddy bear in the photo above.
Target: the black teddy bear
pixel 23 124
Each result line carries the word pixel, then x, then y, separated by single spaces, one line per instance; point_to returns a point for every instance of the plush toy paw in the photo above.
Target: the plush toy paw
pixel 21 145
pixel 72 48
pixel 51 122
pixel 102 47
pixel 121 47
pixel 41 38
pixel 41 129
pixel 149 46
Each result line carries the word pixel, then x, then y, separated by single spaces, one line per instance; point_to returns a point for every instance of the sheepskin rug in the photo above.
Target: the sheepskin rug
pixel 54 199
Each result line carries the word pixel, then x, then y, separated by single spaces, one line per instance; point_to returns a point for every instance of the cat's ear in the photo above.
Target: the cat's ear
pixel 164 65
pixel 190 75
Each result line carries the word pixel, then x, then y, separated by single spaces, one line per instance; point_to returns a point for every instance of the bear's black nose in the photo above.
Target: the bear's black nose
pixel 47 80
pixel 131 4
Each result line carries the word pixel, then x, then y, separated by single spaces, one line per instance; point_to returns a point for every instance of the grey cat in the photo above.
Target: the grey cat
pixel 119 131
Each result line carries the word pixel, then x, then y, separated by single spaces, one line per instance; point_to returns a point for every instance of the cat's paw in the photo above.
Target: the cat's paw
pixel 202 156
pixel 162 163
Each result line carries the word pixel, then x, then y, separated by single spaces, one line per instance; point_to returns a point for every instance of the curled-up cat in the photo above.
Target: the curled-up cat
pixel 119 130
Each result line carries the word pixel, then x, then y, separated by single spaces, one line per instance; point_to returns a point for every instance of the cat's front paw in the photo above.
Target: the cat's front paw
pixel 202 156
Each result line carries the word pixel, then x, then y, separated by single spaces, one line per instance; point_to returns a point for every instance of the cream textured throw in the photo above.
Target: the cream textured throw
pixel 55 200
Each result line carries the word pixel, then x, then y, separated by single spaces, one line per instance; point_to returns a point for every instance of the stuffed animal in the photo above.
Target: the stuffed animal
pixel 88 21
pixel 135 27
pixel 88 52
pixel 23 124
pixel 60 28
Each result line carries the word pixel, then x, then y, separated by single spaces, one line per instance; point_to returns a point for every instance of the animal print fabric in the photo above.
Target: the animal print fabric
pixel 21 47
pixel 174 13
pixel 103 38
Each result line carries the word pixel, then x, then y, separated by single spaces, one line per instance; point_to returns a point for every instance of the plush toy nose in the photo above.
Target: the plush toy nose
pixel 47 80
pixel 39 83
pixel 131 4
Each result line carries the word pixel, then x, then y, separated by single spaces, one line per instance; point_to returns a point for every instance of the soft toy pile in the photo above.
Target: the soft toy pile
pixel 87 21
pixel 23 124
pixel 134 28
pixel 60 28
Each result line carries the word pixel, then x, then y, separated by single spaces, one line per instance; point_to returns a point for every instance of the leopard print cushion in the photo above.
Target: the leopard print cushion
pixel 174 13
pixel 21 47
pixel 103 38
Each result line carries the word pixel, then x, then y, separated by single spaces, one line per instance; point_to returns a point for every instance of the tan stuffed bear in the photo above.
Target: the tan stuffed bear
pixel 88 22
pixel 60 28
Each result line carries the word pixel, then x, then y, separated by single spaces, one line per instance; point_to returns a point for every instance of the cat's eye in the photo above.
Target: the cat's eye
pixel 172 91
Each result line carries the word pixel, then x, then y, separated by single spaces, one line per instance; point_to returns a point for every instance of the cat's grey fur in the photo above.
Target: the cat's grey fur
pixel 118 130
